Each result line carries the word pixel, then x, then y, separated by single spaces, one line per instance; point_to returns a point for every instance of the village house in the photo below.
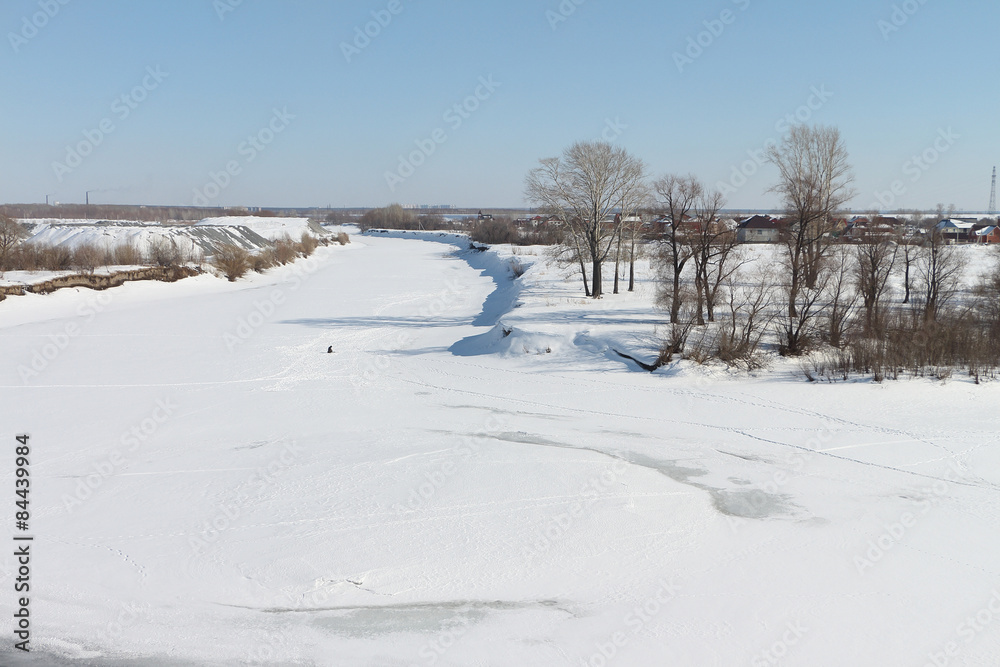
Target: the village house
pixel 759 229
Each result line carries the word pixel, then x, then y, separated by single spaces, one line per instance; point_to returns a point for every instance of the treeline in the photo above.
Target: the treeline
pixel 828 302
pixel 490 230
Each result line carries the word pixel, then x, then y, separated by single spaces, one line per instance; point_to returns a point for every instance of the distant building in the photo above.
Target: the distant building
pixel 987 235
pixel 955 231
pixel 758 229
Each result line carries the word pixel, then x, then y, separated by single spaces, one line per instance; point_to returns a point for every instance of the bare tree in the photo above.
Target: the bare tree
pixel 676 197
pixel 909 249
pixel 815 182
pixel 11 233
pixel 749 315
pixel 584 188
pixel 842 297
pixel 874 259
pixel 712 247
pixel 627 223
pixel 939 272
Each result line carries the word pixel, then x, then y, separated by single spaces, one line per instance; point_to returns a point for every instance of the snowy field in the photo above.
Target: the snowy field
pixel 210 487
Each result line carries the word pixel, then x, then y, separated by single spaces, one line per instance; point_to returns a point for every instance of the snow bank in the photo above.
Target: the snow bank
pixel 269 228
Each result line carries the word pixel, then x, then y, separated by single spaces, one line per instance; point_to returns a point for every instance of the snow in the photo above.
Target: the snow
pixel 199 239
pixel 269 228
pixel 210 487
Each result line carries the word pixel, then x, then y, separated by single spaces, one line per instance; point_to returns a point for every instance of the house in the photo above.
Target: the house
pixel 986 235
pixel 877 228
pixel 758 229
pixel 954 231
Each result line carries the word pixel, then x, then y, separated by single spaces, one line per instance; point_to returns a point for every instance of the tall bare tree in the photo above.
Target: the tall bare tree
pixel 939 273
pixel 874 259
pixel 712 248
pixel 842 296
pixel 584 188
pixel 814 184
pixel 628 224
pixel 676 197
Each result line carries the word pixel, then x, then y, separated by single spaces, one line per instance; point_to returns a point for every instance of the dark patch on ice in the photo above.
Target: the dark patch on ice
pixel 254 445
pixel 745 504
pixel 418 617
pixel 742 503
pixel 745 457
pixel 528 439
pixel 514 413
pixel 750 504
pixel 671 469
pixel 40 657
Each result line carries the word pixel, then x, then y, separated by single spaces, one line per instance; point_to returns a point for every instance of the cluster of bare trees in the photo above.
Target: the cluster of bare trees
pixel 601 194
pixel 595 189
pixel 823 293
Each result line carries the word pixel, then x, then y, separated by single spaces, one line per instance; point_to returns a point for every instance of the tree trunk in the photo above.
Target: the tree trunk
pixel 618 259
pixel 675 304
pixel 583 272
pixel 597 291
pixel 906 283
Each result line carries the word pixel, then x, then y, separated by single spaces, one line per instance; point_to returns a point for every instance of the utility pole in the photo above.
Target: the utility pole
pixel 993 194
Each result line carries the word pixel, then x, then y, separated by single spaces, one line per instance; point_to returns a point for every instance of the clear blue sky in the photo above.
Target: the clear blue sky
pixel 891 93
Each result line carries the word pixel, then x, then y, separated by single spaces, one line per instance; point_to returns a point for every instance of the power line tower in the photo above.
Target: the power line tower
pixel 993 194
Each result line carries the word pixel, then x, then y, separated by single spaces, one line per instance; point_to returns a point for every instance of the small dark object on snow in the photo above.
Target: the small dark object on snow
pixel 329 350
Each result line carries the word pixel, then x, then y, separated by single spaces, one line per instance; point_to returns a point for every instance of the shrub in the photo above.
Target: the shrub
pixel 263 260
pixel 54 258
pixel 308 244
pixel 491 232
pixel 163 251
pixel 232 260
pixel 284 251
pixel 87 257
pixel 343 238
pixel 126 254
pixel 390 217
